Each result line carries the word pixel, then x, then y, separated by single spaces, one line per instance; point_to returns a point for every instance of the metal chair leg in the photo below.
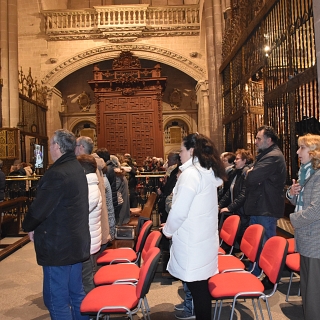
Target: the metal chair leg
pixel 289 286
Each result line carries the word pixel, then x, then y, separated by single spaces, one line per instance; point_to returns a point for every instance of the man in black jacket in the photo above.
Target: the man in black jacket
pixel 166 189
pixel 265 197
pixel 57 222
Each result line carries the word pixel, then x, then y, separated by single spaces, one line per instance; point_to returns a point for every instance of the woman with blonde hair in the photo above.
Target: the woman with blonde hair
pixel 305 195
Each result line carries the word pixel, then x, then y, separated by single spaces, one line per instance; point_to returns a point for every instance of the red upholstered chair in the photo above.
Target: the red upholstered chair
pixel 250 245
pixel 292 263
pixel 126 271
pixel 228 232
pixel 245 285
pixel 123 298
pixel 121 255
pixel 291 248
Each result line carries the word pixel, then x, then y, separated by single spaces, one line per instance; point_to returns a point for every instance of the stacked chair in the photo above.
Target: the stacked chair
pixel 120 255
pixel 123 297
pixel 228 233
pixel 250 245
pixel 244 285
pixel 293 264
pixel 128 272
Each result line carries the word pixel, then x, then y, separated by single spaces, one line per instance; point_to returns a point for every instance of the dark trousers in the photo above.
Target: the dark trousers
pixel 310 287
pixel 201 299
pixel 89 268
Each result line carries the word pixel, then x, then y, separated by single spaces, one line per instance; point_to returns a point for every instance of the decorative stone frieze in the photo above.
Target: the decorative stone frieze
pixel 147 51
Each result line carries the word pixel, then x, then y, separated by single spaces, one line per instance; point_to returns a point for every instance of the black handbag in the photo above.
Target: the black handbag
pixel 124 233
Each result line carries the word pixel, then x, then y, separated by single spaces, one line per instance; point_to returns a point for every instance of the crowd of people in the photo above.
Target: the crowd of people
pixel 152 164
pixel 80 200
pixel 200 186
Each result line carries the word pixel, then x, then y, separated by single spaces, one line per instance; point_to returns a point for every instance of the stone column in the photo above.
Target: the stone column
pixel 203 107
pixel 316 17
pixel 213 23
pixel 5 112
pixel 13 62
pixel 9 62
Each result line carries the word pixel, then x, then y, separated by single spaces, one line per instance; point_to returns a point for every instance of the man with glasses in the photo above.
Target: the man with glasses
pixel 57 222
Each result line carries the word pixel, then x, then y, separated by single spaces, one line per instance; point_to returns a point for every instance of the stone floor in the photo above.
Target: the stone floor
pixel 21 293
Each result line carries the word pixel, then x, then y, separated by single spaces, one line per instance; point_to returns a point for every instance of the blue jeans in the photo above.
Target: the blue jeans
pixel 188 302
pixel 63 291
pixel 270 230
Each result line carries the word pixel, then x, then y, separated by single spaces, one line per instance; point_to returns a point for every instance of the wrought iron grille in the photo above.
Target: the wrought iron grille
pixel 269 75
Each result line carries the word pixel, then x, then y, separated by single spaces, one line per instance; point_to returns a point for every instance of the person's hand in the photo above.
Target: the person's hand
pixel 31 235
pixel 162 226
pixel 224 210
pixel 295 188
pixel 159 191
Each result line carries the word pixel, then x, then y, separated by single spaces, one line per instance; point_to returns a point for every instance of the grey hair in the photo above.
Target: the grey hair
pixel 65 139
pixel 87 144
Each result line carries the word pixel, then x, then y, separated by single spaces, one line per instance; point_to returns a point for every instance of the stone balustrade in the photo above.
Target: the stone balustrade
pixel 104 18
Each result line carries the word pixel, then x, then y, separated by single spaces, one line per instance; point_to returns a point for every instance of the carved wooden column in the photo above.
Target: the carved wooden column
pixel 129 110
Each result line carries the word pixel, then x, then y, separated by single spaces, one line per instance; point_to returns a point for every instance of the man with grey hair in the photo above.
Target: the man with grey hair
pixel 57 222
pixel 85 146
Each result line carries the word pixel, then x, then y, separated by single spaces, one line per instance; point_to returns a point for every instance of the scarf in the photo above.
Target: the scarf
pixel 305 172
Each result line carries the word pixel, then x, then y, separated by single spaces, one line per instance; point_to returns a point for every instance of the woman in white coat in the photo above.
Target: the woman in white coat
pixel 89 267
pixel 193 220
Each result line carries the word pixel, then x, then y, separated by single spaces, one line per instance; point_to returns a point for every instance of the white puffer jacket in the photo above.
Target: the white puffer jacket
pixel 95 207
pixel 193 224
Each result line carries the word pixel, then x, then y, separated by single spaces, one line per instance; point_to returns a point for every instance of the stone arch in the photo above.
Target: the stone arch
pixel 142 51
pixel 74 123
pixel 178 117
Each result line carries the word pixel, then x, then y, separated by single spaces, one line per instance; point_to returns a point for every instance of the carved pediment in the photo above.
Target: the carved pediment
pixel 127 76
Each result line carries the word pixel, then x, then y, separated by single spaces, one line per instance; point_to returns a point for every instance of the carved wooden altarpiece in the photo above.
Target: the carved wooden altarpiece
pixel 128 106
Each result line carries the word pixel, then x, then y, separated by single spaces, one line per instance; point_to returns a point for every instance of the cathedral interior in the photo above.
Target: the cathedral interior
pixel 138 75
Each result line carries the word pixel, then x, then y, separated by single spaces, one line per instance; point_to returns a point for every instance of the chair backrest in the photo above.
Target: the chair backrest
pixel 148 207
pixel 141 240
pixel 229 230
pixel 147 272
pixel 153 240
pixel 291 248
pixel 273 257
pixel 251 241
pixel 141 221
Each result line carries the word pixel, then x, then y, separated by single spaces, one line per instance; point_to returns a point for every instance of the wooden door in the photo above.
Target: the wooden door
pixel 129 111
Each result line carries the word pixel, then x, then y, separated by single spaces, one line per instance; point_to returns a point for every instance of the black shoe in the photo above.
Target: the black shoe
pixel 267 283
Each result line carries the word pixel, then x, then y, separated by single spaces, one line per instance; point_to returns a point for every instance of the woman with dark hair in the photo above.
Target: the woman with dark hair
pixel 193 220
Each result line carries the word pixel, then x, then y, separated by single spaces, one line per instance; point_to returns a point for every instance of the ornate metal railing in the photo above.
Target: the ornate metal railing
pixel 104 19
pixel 269 74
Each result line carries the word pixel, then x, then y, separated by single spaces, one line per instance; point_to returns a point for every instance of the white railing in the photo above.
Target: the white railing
pixel 120 17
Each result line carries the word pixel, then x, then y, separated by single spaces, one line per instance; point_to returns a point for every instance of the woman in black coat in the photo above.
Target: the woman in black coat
pixel 235 197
